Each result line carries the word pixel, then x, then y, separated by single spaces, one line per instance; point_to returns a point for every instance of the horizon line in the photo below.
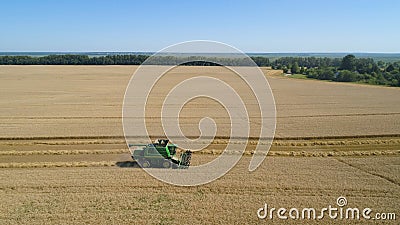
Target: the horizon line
pixel 283 52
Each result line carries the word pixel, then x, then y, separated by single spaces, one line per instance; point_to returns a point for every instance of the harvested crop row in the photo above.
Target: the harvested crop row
pixel 56 164
pixel 220 140
pixel 63 152
pixel 312 153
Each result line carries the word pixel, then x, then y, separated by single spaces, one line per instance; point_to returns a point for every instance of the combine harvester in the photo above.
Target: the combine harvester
pixel 160 155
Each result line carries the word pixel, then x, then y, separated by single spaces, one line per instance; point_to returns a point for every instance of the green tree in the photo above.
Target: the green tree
pixel 302 70
pixel 326 74
pixel 390 68
pixel 295 68
pixel 348 63
pixel 346 76
pixel 312 73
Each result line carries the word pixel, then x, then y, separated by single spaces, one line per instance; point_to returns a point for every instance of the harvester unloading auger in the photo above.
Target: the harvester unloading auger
pixel 160 154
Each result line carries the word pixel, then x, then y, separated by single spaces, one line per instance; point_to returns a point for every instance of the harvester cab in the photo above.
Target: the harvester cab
pixel 160 154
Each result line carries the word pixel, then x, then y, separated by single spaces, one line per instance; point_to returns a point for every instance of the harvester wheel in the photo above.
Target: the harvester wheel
pixel 166 164
pixel 145 164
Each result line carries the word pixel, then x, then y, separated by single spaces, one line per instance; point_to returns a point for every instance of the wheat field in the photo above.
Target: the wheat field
pixel 63 158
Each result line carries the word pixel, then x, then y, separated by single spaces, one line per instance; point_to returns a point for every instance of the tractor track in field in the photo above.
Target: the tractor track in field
pixel 369 172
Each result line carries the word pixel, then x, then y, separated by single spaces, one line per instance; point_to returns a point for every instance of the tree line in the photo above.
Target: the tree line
pixel 131 60
pixel 346 69
pixel 73 60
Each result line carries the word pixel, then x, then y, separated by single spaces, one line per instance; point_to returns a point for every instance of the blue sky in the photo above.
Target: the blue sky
pixel 252 26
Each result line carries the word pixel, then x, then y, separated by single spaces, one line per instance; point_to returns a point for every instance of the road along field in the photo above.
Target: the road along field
pixel 63 158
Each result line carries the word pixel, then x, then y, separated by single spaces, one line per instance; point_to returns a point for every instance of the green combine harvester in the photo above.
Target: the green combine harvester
pixel 160 155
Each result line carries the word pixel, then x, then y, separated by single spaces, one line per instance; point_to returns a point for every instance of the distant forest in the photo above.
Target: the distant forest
pixel 346 69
